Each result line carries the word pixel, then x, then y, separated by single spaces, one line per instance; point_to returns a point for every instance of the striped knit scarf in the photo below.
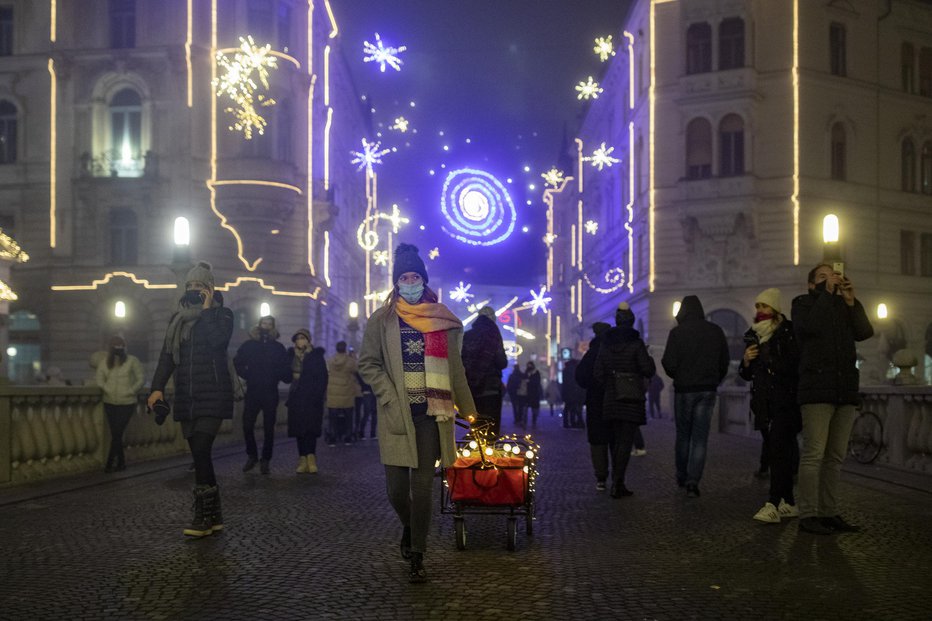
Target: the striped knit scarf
pixel 433 320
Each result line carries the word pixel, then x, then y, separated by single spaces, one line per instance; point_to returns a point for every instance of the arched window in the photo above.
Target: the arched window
pixel 7 132
pixel 734 326
pixel 731 43
pixel 124 237
pixel 907 67
pixel 126 158
pixel 731 135
pixel 699 48
pixel 925 168
pixel 908 166
pixel 698 149
pixel 839 152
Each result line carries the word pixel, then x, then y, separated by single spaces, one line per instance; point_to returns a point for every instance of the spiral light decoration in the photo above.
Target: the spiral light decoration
pixel 477 207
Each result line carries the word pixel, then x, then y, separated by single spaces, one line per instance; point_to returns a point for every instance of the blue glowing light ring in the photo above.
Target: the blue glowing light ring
pixel 492 227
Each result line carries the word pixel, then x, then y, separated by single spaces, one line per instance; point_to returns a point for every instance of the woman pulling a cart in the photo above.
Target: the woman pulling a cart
pixel 411 357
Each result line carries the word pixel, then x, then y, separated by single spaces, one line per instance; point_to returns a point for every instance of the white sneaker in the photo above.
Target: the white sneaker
pixel 787 511
pixel 639 452
pixel 768 513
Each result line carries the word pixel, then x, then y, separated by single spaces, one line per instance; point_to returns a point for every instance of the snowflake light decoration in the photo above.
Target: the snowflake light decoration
pixel 549 238
pixel 461 293
pixel 539 300
pixel 592 227
pixel 382 54
pixel 400 125
pixel 238 83
pixel 434 253
pixel 553 177
pixel 380 257
pixel 602 157
pixel 604 48
pixel 588 89
pixel 370 155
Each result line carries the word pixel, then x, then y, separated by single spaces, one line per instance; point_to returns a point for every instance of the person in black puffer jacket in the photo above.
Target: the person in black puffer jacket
pixel 828 321
pixel 623 351
pixel 598 431
pixel 306 398
pixel 195 352
pixel 484 359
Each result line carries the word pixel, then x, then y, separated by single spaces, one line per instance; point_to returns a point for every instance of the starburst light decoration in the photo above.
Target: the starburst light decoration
pixel 477 207
pixel 549 238
pixel 592 227
pixel 434 253
pixel 539 300
pixel 461 293
pixel 400 125
pixel 588 89
pixel 553 177
pixel 380 257
pixel 238 82
pixel 382 54
pixel 602 157
pixel 370 155
pixel 604 48
pixel 7 294
pixel 10 250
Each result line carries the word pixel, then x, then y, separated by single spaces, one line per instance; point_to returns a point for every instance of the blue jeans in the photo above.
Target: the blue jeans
pixel 693 411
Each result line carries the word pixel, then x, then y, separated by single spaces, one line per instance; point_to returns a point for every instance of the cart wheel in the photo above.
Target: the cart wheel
pixel 459 525
pixel 512 534
pixel 529 524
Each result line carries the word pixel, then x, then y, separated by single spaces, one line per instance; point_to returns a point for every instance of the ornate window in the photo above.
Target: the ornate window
pixel 731 137
pixel 838 52
pixel 7 132
pixel 124 237
pixel 731 43
pixel 907 67
pixel 698 149
pixel 908 166
pixel 839 152
pixel 699 48
pixel 6 30
pixel 122 24
pixel 925 71
pixel 125 154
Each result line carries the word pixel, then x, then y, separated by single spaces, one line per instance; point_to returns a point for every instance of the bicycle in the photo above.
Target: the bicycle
pixel 866 440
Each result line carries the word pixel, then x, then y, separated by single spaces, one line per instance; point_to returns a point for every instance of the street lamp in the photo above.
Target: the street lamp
pixel 265 310
pixel 882 311
pixel 676 308
pixel 181 254
pixel 352 324
pixel 119 309
pixel 831 249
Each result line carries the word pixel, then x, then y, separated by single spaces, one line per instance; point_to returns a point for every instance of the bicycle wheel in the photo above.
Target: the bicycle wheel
pixel 866 438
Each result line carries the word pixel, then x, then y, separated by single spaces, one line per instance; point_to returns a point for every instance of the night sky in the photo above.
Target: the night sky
pixel 498 73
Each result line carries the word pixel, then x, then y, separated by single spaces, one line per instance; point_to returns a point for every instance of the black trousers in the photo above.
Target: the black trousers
pixel 369 415
pixel 622 440
pixel 267 403
pixel 489 408
pixel 117 419
pixel 783 455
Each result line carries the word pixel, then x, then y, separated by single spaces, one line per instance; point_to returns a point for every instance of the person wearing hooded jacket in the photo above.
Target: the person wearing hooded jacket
pixel 484 359
pixel 622 351
pixel 262 362
pixel 411 357
pixel 696 358
pixel 305 403
pixel 598 431
pixel 195 352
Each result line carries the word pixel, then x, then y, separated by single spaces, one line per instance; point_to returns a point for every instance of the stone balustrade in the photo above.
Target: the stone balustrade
pixel 905 411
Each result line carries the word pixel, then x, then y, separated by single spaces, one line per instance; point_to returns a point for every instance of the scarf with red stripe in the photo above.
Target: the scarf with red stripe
pixel 433 320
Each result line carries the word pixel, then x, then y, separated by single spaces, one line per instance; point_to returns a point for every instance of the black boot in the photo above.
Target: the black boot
pixel 200 524
pixel 418 573
pixel 212 508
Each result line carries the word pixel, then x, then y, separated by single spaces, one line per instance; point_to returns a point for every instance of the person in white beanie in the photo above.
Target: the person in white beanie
pixel 771 363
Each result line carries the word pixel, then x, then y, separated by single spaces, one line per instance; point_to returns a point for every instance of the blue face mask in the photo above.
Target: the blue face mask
pixel 411 293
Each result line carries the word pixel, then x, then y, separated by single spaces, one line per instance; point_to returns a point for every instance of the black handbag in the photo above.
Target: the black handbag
pixel 629 386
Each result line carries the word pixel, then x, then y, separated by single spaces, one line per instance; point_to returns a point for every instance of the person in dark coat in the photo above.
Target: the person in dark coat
pixel 196 343
pixel 654 390
pixel 697 358
pixel 515 381
pixel 770 363
pixel 828 321
pixel 535 391
pixel 484 358
pixel 262 362
pixel 306 397
pixel 598 431
pixel 623 351
pixel 574 396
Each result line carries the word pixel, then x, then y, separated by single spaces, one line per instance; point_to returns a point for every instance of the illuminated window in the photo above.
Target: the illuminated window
pixel 699 48
pixel 6 31
pixel 698 149
pixel 839 152
pixel 925 168
pixel 259 17
pixel 731 138
pixel 284 26
pixel 908 253
pixel 124 237
pixel 925 72
pixel 908 166
pixel 7 132
pixel 122 24
pixel 907 67
pixel 838 53
pixel 731 43
pixel 125 154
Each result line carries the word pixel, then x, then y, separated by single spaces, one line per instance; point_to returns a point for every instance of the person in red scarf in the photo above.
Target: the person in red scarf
pixel 410 356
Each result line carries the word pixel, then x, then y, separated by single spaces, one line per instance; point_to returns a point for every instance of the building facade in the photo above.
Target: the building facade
pixel 737 126
pixel 120 117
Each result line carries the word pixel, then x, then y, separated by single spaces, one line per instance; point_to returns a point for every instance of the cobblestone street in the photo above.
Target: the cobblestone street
pixel 325 546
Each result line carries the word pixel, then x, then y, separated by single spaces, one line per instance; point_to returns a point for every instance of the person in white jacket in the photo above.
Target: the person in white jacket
pixel 120 378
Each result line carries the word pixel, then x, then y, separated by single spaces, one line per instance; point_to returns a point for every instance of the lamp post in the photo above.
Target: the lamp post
pixel 352 324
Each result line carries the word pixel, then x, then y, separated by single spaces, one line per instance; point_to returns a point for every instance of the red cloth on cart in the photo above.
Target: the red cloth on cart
pixel 502 485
